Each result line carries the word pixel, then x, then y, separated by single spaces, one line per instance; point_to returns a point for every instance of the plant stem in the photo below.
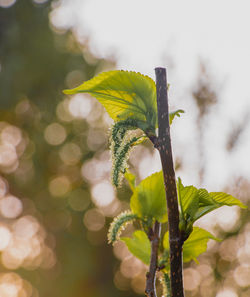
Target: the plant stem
pixel 154 237
pixel 164 146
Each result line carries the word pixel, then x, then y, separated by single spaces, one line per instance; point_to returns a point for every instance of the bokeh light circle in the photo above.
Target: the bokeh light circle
pixel 10 207
pixel 94 220
pixel 59 186
pixel 5 237
pixel 8 155
pixel 103 194
pixel 79 200
pixel 55 134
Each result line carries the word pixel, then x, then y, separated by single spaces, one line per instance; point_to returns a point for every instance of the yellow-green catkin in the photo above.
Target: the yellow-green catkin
pixel 121 144
pixel 165 282
pixel 119 223
pixel 120 162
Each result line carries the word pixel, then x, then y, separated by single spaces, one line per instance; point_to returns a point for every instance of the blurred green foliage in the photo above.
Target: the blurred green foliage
pixel 37 63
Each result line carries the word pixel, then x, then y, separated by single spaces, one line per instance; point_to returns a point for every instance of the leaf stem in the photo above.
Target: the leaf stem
pixel 154 237
pixel 164 147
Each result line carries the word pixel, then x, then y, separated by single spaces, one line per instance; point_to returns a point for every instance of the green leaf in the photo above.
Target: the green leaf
pixel 124 95
pixel 203 210
pixel 174 114
pixel 205 198
pixel 213 200
pixel 226 199
pixel 196 244
pixel 188 199
pixel 148 199
pixel 195 203
pixel 166 241
pixel 131 179
pixel 139 246
pixel 206 204
pixel 179 186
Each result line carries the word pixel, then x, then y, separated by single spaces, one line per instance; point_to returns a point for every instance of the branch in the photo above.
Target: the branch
pixel 154 237
pixel 165 150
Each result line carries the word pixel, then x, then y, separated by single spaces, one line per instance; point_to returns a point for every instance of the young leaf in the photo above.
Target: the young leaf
pixel 163 261
pixel 205 198
pixel 119 223
pixel 213 200
pixel 131 179
pixel 226 199
pixel 139 246
pixel 174 114
pixel 195 203
pixel 124 95
pixel 148 199
pixel 203 210
pixel 206 204
pixel 195 245
pixel 188 199
pixel 166 241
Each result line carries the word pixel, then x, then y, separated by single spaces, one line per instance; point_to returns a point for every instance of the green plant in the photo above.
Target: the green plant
pixel 138 107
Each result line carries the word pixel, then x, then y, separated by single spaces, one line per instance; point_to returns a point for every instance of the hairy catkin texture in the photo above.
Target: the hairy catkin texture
pixel 121 144
pixel 165 282
pixel 120 162
pixel 119 223
pixel 117 136
pixel 119 130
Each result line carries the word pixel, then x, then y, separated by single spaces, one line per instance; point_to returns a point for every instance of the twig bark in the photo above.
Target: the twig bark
pixel 165 150
pixel 154 237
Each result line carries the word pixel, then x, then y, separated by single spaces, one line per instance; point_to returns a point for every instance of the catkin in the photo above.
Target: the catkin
pixel 119 224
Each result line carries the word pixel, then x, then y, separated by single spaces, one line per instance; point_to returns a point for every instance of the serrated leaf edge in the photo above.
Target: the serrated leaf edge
pixel 103 75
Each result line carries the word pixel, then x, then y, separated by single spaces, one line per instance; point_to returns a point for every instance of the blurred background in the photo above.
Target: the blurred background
pixel 56 199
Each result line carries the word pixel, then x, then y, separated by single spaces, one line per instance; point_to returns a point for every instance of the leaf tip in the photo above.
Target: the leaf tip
pixel 244 206
pixel 67 92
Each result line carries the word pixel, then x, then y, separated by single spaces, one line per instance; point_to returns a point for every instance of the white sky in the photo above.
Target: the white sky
pixel 144 34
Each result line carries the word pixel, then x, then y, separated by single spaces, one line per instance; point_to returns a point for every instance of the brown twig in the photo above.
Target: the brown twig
pixel 154 237
pixel 164 146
